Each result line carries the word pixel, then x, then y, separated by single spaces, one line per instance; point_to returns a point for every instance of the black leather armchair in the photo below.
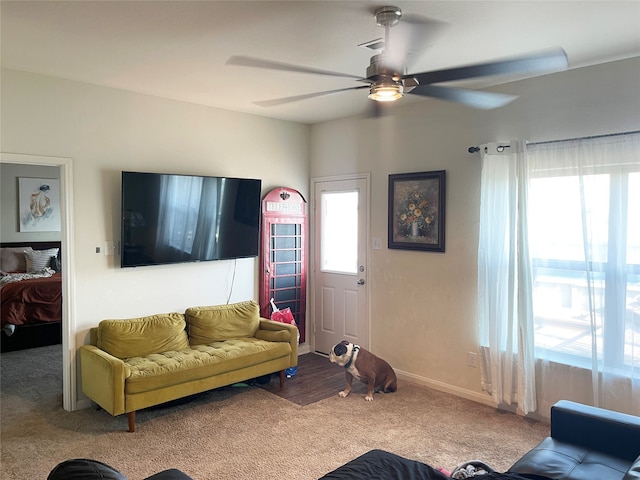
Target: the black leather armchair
pixel 84 469
pixel 586 443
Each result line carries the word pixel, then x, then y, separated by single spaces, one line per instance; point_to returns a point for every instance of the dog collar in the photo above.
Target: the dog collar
pixel 353 351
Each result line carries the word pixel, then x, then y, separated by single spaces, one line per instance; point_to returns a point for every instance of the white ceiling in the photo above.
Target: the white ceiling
pixel 178 49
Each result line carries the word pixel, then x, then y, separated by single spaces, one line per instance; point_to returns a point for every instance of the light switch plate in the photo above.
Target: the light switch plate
pixel 109 248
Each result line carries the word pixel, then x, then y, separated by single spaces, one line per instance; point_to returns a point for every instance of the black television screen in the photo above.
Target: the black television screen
pixel 184 218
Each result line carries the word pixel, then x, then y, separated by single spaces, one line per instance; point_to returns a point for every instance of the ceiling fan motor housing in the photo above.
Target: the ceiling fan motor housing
pixel 378 68
pixel 386 82
pixel 387 16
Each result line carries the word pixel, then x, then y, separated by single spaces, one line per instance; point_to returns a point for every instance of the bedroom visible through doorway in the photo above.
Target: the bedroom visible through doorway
pixel 68 325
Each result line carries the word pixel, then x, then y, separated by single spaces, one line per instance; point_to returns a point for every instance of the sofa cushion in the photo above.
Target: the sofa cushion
pixel 561 460
pixel 222 322
pixel 138 337
pixel 157 371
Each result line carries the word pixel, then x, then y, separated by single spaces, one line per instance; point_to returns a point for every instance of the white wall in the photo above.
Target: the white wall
pixel 424 304
pixel 105 131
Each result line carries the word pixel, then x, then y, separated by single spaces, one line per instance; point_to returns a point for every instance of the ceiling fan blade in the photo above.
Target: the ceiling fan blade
pixel 260 63
pixel 408 39
pixel 545 62
pixel 295 98
pixel 470 98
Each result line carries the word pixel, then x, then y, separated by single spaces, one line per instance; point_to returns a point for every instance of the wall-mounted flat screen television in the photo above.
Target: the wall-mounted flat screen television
pixel 187 218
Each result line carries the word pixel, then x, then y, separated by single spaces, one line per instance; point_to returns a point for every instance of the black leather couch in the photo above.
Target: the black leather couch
pixel 586 443
pixel 85 469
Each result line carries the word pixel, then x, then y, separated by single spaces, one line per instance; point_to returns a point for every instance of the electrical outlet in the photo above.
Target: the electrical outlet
pixel 472 359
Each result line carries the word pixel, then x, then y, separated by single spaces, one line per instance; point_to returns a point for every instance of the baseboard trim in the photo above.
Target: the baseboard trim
pixel 478 397
pixel 446 388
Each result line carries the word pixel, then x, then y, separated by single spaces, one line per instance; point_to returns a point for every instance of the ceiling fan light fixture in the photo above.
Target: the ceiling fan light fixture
pixel 386 92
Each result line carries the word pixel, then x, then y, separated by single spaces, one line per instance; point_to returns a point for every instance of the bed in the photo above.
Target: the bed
pixel 30 295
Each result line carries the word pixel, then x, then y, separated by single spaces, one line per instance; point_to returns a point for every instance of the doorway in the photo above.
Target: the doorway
pixel 340 288
pixel 69 388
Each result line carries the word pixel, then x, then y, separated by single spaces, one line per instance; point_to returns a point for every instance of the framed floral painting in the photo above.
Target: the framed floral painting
pixel 417 211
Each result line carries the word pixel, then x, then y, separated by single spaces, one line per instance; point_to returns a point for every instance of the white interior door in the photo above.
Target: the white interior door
pixel 341 290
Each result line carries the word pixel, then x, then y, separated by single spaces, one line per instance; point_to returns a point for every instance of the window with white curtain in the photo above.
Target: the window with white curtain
pixel 584 242
pixel 559 273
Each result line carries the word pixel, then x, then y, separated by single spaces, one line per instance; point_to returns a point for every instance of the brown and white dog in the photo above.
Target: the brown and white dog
pixel 365 366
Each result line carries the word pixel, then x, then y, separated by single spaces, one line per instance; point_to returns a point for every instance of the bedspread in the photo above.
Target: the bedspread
pixel 32 301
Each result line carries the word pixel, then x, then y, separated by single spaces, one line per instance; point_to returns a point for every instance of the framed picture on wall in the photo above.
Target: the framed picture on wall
pixel 39 204
pixel 417 211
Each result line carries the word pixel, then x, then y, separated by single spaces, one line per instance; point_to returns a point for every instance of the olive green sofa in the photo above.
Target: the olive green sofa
pixel 136 363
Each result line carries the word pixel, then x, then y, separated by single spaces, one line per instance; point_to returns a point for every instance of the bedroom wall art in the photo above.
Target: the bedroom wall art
pixel 39 204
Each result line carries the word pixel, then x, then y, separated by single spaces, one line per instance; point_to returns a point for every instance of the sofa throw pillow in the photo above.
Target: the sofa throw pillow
pixel 38 260
pixel 139 337
pixel 222 322
pixel 13 260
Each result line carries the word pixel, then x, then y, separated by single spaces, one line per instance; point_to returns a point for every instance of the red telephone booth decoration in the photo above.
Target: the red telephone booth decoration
pixel 283 254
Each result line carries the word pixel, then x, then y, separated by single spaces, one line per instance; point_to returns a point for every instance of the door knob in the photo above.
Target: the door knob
pixel 361 281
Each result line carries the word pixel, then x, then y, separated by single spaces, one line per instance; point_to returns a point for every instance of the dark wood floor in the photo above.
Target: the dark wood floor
pixel 317 379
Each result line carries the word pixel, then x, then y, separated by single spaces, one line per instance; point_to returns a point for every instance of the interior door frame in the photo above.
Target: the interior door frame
pixel 69 375
pixel 366 176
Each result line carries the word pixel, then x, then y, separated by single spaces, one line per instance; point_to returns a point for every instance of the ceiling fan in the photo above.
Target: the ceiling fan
pixel 386 76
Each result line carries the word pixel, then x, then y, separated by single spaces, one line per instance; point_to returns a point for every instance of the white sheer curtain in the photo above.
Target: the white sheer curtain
pixel 585 237
pixel 559 273
pixel 504 279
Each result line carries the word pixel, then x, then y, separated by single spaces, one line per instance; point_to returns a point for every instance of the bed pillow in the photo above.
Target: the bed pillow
pixel 12 259
pixel 56 264
pixel 38 260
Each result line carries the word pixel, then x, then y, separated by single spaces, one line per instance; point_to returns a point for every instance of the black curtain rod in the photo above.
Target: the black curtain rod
pixel 499 148
pixel 584 138
pixel 477 149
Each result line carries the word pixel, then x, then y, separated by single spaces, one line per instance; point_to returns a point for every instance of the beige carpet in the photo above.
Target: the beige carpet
pixel 245 432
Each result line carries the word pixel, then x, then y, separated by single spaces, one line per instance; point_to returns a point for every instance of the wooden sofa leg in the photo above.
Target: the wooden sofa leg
pixel 281 378
pixel 131 416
